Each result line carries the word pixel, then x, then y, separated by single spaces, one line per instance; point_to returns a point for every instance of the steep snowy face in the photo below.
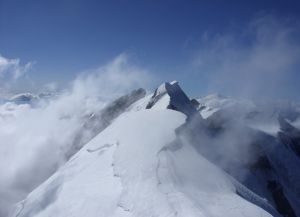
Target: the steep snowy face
pixel 257 144
pixel 262 116
pixel 91 183
pixel 38 139
pixel 171 96
pixel 94 123
pixel 289 135
pixel 135 168
pixel 155 155
pixel 210 104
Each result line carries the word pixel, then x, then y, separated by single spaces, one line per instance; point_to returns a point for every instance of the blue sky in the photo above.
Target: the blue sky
pixel 172 39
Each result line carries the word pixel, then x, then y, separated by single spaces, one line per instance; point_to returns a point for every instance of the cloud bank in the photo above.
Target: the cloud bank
pixel 35 139
pixel 257 60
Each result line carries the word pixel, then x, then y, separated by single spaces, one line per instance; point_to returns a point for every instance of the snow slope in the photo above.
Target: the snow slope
pixel 38 138
pixel 128 170
pixel 161 158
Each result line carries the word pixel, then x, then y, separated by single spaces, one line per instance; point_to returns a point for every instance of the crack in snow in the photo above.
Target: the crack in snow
pixel 105 146
pixel 123 208
pixel 115 173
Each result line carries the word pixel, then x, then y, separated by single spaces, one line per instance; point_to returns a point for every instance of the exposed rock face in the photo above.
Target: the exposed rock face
pixel 289 136
pixel 271 170
pixel 178 100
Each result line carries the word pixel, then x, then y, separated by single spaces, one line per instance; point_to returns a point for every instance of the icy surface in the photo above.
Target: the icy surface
pixel 161 158
pixel 128 170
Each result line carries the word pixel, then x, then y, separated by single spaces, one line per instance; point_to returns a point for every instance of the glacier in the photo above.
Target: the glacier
pixel 163 154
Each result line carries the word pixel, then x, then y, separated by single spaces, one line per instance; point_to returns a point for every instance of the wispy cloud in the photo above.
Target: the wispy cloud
pixel 116 77
pixel 254 60
pixel 34 141
pixel 13 68
pixel 12 73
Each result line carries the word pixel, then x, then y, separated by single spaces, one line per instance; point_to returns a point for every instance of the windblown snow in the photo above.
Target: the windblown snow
pixel 160 158
pixel 129 170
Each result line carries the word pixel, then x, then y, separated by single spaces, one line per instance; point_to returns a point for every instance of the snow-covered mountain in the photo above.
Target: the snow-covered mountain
pixel 28 98
pixel 164 154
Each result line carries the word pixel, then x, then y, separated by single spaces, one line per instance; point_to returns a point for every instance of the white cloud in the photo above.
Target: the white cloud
pixel 116 77
pixel 52 87
pixel 34 141
pixel 12 75
pixel 254 61
pixel 12 67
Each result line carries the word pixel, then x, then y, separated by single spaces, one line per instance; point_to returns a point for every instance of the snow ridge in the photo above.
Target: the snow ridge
pixel 146 163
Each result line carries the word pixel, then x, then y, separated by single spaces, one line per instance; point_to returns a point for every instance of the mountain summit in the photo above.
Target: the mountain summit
pixel 163 154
